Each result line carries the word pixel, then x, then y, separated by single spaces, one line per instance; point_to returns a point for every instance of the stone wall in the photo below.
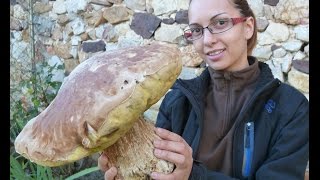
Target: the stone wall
pixel 70 31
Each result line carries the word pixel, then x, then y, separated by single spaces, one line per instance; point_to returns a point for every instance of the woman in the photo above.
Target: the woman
pixel 235 121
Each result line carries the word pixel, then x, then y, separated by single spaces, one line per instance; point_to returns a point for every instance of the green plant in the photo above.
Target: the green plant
pixel 82 173
pixel 18 170
pixel 37 92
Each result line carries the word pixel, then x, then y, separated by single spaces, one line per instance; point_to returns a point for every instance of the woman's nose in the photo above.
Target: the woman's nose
pixel 208 37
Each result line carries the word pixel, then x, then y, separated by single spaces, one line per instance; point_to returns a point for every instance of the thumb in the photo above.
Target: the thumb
pixel 110 174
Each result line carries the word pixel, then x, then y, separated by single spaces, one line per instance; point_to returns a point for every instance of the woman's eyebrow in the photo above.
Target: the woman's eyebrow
pixel 212 18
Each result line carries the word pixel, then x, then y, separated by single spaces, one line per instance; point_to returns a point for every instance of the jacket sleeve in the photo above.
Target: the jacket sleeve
pixel 289 154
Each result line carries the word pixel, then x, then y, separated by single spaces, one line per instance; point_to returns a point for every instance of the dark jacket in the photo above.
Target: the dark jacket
pixel 271 139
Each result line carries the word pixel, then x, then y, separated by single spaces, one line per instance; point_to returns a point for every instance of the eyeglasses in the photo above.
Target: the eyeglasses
pixel 217 26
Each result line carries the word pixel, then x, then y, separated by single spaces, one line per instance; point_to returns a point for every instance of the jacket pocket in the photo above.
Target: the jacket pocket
pixel 248 148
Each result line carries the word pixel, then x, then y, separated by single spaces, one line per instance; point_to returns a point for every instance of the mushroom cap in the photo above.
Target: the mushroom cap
pixel 98 103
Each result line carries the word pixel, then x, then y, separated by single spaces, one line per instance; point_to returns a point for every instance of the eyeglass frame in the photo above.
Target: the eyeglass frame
pixel 234 21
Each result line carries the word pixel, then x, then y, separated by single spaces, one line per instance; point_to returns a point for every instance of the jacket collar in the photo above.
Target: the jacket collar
pixel 199 85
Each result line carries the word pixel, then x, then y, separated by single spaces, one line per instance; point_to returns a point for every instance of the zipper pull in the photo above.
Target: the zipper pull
pixel 247 142
pixel 248 149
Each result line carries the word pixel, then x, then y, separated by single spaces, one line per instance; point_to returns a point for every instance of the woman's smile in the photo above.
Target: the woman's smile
pixel 215 55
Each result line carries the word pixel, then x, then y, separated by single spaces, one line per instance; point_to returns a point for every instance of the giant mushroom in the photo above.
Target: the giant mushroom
pixel 99 107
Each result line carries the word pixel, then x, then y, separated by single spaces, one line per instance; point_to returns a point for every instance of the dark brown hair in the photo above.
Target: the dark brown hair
pixel 246 11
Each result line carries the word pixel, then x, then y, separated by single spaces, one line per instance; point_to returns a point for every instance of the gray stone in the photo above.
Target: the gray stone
pixel 144 24
pixel 19 51
pixel 182 17
pixel 59 7
pixel 75 40
pixel 40 7
pixel 43 25
pixel 17 35
pixel 93 46
pixel 19 12
pixel 168 6
pixel 284 63
pixel 75 6
pixel 262 53
pixel 116 14
pixel 139 5
pixel 190 73
pixel 265 38
pixel 24 4
pixel 302 32
pixel 278 53
pixel 276 70
pixel 151 115
pixel 54 61
pixel 271 2
pixel 15 24
pixel 299 55
pixel 168 21
pixel 292 45
pixel 109 33
pixel 111 46
pixel 262 24
pixel 74 51
pixel 168 33
pixel 91 33
pixel 131 39
pixel 279 32
pixel 257 7
pixel 78 26
pixel 300 65
pixel 122 28
pixel 99 31
pixel 268 12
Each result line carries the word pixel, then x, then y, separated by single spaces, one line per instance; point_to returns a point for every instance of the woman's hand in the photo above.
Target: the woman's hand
pixel 175 149
pixel 110 173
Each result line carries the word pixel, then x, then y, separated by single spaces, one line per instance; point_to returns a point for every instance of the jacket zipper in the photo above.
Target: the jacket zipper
pixel 248 148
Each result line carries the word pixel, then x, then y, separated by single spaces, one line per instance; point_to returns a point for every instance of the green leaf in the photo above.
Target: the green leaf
pixel 82 173
pixel 16 170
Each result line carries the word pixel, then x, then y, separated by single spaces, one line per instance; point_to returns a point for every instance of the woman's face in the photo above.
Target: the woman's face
pixel 223 51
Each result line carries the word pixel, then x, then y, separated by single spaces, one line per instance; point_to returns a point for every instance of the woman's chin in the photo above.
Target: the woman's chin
pixel 217 66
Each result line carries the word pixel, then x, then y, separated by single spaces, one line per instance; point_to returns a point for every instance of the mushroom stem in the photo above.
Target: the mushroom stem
pixel 133 154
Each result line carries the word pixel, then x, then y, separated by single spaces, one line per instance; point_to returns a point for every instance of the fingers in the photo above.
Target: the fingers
pixel 175 158
pixel 167 135
pixel 110 174
pixel 178 147
pixel 102 162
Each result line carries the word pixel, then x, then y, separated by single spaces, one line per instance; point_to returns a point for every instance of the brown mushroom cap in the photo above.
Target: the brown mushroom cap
pixel 98 103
